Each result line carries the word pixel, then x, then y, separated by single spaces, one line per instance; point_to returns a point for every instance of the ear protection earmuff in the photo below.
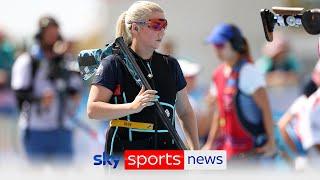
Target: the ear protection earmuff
pixel 236 41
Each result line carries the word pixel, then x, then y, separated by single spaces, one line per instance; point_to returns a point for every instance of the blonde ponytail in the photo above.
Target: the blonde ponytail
pixel 122 30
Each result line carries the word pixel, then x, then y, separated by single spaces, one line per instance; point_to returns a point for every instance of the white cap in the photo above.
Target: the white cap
pixel 189 68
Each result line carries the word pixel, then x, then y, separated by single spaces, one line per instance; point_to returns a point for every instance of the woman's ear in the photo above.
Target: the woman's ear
pixel 135 28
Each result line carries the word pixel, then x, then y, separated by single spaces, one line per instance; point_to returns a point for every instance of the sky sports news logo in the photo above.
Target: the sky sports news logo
pixel 166 160
pixel 175 160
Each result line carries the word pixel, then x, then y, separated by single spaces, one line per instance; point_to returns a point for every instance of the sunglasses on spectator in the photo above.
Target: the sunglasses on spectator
pixel 154 24
pixel 219 46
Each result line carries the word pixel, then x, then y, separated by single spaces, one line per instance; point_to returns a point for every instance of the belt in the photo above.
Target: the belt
pixel 131 124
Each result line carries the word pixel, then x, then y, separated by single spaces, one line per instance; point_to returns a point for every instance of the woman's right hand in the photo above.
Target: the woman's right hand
pixel 143 99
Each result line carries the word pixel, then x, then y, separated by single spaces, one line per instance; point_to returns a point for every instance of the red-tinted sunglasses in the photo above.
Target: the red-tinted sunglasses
pixel 157 24
pixel 154 24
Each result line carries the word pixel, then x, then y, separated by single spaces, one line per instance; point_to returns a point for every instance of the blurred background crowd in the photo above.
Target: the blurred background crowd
pixel 286 63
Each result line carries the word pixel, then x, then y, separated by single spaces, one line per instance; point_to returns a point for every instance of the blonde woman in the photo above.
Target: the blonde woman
pixel 114 94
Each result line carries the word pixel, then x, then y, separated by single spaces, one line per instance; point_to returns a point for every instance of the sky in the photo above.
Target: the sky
pixel 77 18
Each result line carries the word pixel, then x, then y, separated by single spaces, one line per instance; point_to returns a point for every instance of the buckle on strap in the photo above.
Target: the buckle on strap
pixel 131 124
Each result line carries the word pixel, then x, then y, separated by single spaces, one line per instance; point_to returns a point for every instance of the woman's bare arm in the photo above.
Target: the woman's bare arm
pixel 187 116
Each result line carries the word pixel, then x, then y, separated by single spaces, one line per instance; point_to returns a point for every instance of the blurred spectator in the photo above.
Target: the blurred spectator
pixel 48 92
pixel 316 74
pixel 279 65
pixel 306 137
pixel 242 124
pixel 168 47
pixel 6 59
pixel 196 98
pixel 7 100
pixel 291 127
pixel 314 82
pixel 312 130
pixel 300 125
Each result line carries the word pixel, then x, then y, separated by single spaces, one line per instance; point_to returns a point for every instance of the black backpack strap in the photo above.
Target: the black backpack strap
pixel 35 63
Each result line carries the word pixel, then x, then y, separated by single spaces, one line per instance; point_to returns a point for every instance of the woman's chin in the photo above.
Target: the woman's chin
pixel 156 45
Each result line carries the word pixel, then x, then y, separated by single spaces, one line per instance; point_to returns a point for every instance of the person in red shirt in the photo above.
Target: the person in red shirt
pixel 242 122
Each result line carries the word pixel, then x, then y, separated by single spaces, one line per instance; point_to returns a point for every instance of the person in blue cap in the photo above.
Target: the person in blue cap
pixel 242 123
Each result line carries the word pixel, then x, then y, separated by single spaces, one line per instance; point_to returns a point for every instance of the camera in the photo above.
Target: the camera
pixel 57 64
pixel 292 17
pixel 61 67
pixel 56 67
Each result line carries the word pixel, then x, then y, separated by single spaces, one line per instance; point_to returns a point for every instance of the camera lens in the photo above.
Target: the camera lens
pixel 298 22
pixel 280 20
pixel 291 20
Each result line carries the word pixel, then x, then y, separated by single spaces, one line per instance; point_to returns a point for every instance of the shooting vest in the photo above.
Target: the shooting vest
pixel 240 120
pixel 164 81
